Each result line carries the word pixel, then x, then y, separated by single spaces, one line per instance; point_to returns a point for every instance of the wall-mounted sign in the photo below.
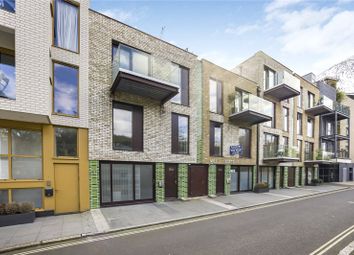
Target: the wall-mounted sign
pixel 236 150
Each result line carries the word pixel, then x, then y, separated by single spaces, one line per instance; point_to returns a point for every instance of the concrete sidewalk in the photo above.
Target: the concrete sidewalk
pixel 56 228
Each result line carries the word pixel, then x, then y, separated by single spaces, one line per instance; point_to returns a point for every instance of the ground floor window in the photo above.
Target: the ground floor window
pixel 31 195
pixel 309 175
pixel 241 178
pixel 266 175
pixel 126 182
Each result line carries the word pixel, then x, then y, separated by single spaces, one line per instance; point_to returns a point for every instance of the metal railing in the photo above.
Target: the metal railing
pixel 253 103
pixel 342 108
pixel 324 155
pixel 281 151
pixel 343 154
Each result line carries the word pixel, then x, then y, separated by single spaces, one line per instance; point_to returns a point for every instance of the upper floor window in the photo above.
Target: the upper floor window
pixel 244 139
pixel 131 59
pixel 299 99
pixel 310 100
pixel 180 134
pixel 127 127
pixel 8 5
pixel 7 74
pixel 310 127
pixel 285 119
pixel 215 96
pixel 272 122
pixel 215 139
pixel 65 142
pixel 66 79
pixel 299 147
pixel 180 77
pixel 66 25
pixel 269 78
pixel 309 151
pixel 299 123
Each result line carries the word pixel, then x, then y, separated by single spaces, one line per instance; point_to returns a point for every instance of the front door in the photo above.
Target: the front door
pixel 171 180
pixel 220 177
pixel 291 176
pixel 198 180
pixel 351 174
pixel 66 188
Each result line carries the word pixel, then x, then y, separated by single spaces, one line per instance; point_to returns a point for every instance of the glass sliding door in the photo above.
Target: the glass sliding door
pixel 241 178
pixel 143 182
pixel 122 182
pixel 266 175
pixel 234 180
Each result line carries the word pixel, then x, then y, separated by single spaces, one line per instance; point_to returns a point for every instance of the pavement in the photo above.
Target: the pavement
pixel 104 220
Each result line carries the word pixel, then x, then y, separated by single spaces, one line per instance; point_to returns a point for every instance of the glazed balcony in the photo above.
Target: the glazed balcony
pixel 282 153
pixel 321 157
pixel 324 105
pixel 250 110
pixel 285 86
pixel 144 75
pixel 343 112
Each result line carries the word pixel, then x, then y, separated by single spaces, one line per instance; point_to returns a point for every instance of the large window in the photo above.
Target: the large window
pixel 215 96
pixel 299 124
pixel 272 122
pixel 66 82
pixel 66 142
pixel 33 196
pixel 285 119
pixel 299 147
pixel 131 59
pixel 310 127
pixel 127 127
pixel 266 175
pixel 8 5
pixel 271 143
pixel 180 76
pixel 309 151
pixel 215 139
pixel 241 178
pixel 299 99
pixel 126 183
pixel 24 153
pixel 180 134
pixel 7 74
pixel 310 100
pixel 269 78
pixel 244 139
pixel 66 25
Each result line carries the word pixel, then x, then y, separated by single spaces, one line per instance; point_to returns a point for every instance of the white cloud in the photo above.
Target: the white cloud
pixel 126 16
pixel 276 5
pixel 224 59
pixel 240 30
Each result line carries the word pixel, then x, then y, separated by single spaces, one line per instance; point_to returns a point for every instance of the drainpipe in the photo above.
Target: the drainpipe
pixel 257 140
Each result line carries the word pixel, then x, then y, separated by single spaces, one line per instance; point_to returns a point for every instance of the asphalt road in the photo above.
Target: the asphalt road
pixel 299 227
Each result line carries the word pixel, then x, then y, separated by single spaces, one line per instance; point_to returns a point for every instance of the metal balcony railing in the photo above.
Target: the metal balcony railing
pixel 342 108
pixel 281 151
pixel 324 155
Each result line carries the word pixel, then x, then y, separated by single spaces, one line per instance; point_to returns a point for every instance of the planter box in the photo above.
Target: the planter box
pixel 263 190
pixel 14 219
pixel 315 184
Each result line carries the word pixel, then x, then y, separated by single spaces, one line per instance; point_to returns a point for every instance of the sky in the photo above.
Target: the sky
pixel 306 36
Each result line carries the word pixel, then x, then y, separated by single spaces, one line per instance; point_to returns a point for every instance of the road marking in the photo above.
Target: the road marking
pixel 278 195
pixel 347 250
pixel 107 236
pixel 99 220
pixel 351 202
pixel 211 201
pixel 335 240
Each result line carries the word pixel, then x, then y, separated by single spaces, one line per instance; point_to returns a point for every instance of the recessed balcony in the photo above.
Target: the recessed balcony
pixel 325 105
pixel 282 153
pixel 144 75
pixel 250 110
pixel 285 86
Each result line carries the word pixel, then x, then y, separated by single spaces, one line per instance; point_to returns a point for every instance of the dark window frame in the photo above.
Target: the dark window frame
pixel 214 125
pixel 219 96
pixel 287 119
pixel 299 128
pixel 77 142
pixel 249 141
pixel 313 126
pixel 309 95
pixel 266 70
pixel 137 136
pixel 175 134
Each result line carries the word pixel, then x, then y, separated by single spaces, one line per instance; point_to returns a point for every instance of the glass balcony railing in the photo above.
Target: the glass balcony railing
pixel 309 155
pixel 8 5
pixel 342 108
pixel 325 101
pixel 253 103
pixel 343 154
pixel 287 78
pixel 281 151
pixel 324 155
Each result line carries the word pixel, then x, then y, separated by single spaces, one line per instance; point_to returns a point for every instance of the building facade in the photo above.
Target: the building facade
pixel 44 104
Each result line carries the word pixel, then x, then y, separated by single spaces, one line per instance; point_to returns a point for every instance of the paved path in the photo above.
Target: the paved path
pixel 297 227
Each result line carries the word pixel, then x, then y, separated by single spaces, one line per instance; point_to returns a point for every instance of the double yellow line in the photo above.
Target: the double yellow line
pixel 334 241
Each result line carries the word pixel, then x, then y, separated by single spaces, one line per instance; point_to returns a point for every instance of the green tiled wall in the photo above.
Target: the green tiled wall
pixel 227 179
pixel 159 179
pixel 94 179
pixel 212 180
pixel 182 181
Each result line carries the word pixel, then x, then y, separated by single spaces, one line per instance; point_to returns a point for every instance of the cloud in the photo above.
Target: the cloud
pixel 280 4
pixel 240 30
pixel 227 59
pixel 126 16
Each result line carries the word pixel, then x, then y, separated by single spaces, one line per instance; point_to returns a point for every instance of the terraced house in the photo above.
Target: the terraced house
pixel 289 140
pixel 144 116
pixel 44 104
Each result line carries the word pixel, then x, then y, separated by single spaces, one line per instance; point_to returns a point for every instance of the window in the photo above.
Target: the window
pixel 24 153
pixel 299 99
pixel 66 25
pixel 66 79
pixel 285 119
pixel 126 182
pixel 33 196
pixel 127 127
pixel 269 78
pixel 66 141
pixel 215 139
pixel 266 175
pixel 241 100
pixel 131 59
pixel 215 96
pixel 7 74
pixel 310 127
pixel 244 139
pixel 8 5
pixel 271 143
pixel 180 76
pixel 310 100
pixel 286 141
pixel 272 122
pixel 4 196
pixel 309 151
pixel 241 178
pixel 180 134
pixel 299 147
pixel 299 124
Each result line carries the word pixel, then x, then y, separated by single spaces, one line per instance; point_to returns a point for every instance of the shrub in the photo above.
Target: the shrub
pixel 12 208
pixel 2 209
pixel 317 181
pixel 26 207
pixel 261 185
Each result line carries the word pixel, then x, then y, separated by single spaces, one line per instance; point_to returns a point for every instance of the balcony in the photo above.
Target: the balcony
pixel 8 5
pixel 325 105
pixel 282 153
pixel 250 110
pixel 145 75
pixel 343 112
pixel 286 86
pixel 322 157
